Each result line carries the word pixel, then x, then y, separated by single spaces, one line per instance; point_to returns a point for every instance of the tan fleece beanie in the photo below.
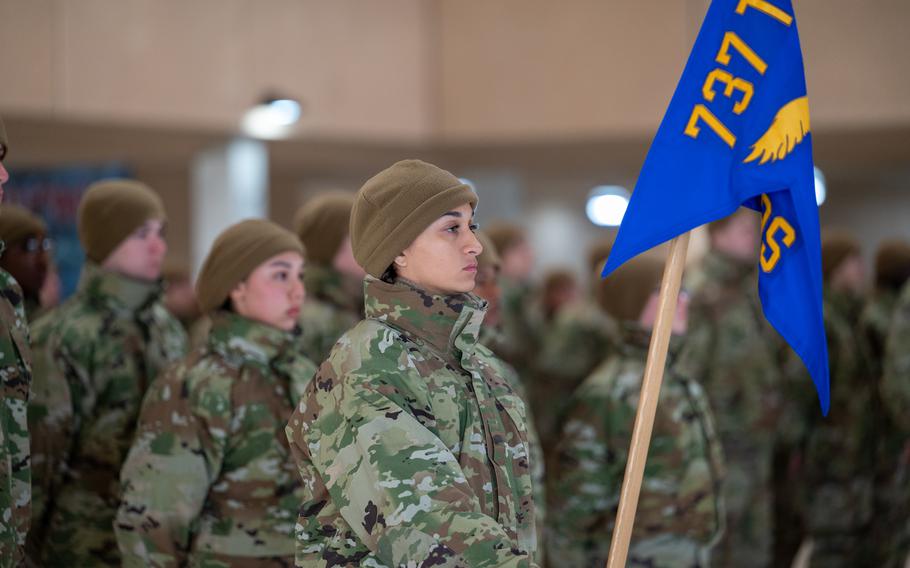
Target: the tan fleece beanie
pixel 625 292
pixel 505 235
pixel 18 223
pixel 396 205
pixel 236 253
pixel 489 256
pixel 837 246
pixel 111 210
pixel 323 223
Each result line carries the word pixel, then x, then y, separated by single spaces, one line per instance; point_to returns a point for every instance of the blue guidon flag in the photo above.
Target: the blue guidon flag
pixel 737 133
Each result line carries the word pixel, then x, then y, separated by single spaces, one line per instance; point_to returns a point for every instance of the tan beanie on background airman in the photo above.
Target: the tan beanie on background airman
pixel 322 224
pixel 18 223
pixel 837 246
pixel 490 255
pixel 236 253
pixel 626 291
pixel 111 210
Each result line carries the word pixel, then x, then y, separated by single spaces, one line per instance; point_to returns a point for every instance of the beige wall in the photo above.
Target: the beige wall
pixel 360 68
pixel 581 68
pixel 455 70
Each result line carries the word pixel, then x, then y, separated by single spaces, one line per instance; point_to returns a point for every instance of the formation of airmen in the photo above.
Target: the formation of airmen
pixel 387 386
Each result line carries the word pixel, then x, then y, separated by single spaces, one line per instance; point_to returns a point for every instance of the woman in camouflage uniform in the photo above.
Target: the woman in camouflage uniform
pixel 412 445
pixel 680 514
pixel 209 480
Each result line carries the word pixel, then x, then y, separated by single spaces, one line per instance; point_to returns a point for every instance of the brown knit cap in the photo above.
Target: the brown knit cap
pixel 18 223
pixel 505 235
pixel 489 256
pixel 111 210
pixel 837 246
pixel 323 223
pixel 892 264
pixel 625 292
pixel 236 253
pixel 396 205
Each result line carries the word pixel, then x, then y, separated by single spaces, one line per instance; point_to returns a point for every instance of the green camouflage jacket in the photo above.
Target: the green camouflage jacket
pixel 840 448
pixel 330 310
pixel 580 339
pixel 896 379
pixel 734 351
pixel 875 321
pixel 522 325
pixel 680 494
pixel 894 498
pixel 413 448
pixel 489 338
pixel 209 479
pixel 15 473
pixel 95 356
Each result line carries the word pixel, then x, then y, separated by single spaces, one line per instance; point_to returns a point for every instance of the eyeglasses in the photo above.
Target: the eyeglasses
pixel 34 244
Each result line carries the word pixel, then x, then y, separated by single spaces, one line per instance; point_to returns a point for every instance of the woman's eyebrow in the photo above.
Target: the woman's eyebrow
pixel 281 263
pixel 452 214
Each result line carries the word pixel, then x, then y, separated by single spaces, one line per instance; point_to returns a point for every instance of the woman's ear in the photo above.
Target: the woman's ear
pixel 237 296
pixel 401 261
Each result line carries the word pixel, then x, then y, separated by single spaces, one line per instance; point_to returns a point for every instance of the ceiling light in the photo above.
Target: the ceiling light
pixel 607 205
pixel 272 118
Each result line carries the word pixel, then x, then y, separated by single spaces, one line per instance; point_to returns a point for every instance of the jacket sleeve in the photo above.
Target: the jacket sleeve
pixel 398 486
pixel 175 458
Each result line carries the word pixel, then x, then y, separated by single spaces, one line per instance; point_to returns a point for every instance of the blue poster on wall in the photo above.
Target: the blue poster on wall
pixel 53 194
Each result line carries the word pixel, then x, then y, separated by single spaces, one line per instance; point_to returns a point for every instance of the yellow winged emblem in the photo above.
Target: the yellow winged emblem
pixel 790 126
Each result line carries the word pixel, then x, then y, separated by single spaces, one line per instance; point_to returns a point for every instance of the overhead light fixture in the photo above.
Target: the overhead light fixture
pixel 821 190
pixel 272 118
pixel 607 205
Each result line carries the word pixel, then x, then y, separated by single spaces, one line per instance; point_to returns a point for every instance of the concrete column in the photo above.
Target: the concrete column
pixel 229 183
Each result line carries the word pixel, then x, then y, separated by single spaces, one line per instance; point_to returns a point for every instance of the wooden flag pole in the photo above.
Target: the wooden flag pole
pixel 647 402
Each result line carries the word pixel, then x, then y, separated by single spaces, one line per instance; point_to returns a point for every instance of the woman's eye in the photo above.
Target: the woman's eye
pixel 473 227
pixel 282 276
pixel 453 229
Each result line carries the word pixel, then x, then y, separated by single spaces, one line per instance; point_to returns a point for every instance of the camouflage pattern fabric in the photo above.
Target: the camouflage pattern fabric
pixel 895 393
pixel 489 338
pixel 892 471
pixel 95 356
pixel 331 308
pixel 209 480
pixel 412 448
pixel 896 379
pixel 15 471
pixel 580 339
pixel 680 512
pixel 521 325
pixel 840 448
pixel 736 354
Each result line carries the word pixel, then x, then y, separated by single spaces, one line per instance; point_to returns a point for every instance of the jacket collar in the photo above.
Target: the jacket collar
pixel 449 325
pixel 117 292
